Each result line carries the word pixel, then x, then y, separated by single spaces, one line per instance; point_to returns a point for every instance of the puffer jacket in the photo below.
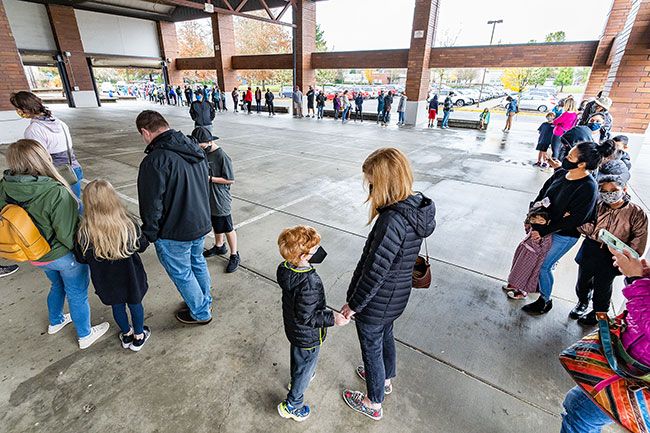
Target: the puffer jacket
pixel 306 317
pixel 636 337
pixel 381 283
pixel 628 223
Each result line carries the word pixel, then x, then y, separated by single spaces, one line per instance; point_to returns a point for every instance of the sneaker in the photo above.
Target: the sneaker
pixel 310 381
pixel 579 310
pixel 540 306
pixel 216 251
pixel 354 399
pixel 95 333
pixel 361 372
pixel 53 329
pixel 233 263
pixel 537 164
pixel 184 316
pixel 126 340
pixel 295 413
pixel 137 344
pixel 588 319
pixel 517 295
pixel 5 271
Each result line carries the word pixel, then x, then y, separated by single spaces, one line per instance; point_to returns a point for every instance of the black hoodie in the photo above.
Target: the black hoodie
pixel 173 189
pixel 381 283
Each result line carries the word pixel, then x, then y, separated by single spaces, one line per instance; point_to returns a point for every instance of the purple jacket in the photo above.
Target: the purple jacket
pixel 636 338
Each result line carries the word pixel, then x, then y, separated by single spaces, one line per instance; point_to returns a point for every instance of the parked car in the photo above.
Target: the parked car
pixel 535 102
pixel 458 99
pixel 286 92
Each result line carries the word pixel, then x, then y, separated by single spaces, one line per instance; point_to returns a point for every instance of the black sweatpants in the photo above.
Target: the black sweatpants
pixel 596 275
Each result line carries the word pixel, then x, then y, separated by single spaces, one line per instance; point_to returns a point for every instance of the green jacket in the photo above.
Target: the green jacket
pixel 54 211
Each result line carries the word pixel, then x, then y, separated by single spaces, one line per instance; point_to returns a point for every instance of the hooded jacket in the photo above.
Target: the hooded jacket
pixel 173 189
pixel 636 337
pixel 304 312
pixel 202 113
pixel 382 281
pixel 51 133
pixel 54 211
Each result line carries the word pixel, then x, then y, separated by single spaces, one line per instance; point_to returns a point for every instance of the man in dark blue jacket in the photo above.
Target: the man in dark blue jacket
pixel 175 210
pixel 202 112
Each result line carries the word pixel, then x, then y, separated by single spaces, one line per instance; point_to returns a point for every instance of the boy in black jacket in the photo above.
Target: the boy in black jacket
pixel 304 311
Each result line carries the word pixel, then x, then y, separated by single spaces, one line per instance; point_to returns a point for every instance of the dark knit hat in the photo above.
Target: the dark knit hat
pixel 614 171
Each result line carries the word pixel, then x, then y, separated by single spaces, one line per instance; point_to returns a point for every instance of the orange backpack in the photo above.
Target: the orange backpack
pixel 20 239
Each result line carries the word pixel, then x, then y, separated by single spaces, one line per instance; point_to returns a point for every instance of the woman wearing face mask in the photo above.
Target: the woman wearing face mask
pixel 572 193
pixel 51 133
pixel 381 283
pixel 580 133
pixel 625 220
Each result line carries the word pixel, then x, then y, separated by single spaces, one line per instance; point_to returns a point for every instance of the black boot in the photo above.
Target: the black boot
pixel 588 319
pixel 540 306
pixel 579 310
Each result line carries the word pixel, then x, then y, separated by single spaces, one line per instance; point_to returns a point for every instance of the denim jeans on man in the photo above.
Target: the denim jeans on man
pixel 70 280
pixel 303 365
pixel 556 146
pixel 379 357
pixel 581 414
pixel 122 320
pixel 445 119
pixel 346 112
pixel 187 268
pixel 559 247
pixel 320 111
pixel 401 117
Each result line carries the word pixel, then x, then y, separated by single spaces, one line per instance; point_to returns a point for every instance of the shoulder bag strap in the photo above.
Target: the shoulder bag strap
pixel 426 249
pixel 66 132
pixel 609 351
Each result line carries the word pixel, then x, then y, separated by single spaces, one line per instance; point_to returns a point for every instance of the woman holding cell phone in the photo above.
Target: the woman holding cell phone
pixel 626 221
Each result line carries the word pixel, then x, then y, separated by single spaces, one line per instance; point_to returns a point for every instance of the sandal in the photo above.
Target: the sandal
pixel 507 287
pixel 517 295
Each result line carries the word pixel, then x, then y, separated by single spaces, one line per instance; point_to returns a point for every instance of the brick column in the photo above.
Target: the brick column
pixel 425 19
pixel 223 36
pixel 600 67
pixel 66 35
pixel 628 81
pixel 13 74
pixel 304 17
pixel 169 50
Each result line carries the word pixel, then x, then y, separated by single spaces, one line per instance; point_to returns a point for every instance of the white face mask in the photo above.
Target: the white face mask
pixel 612 197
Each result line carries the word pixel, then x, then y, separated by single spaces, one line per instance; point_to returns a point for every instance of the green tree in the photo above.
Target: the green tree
pixel 321 43
pixel 517 79
pixel 558 36
pixel 564 77
pixel 539 76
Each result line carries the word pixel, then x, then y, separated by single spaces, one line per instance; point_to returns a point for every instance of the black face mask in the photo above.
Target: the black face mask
pixel 318 256
pixel 568 165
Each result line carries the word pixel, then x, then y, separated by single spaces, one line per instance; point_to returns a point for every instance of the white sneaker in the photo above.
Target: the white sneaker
pixel 95 333
pixel 53 329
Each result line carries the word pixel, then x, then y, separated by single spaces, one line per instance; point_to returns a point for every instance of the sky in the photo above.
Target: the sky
pixel 385 24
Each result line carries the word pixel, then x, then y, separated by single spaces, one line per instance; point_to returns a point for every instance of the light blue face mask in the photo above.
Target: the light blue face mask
pixel 594 126
pixel 612 197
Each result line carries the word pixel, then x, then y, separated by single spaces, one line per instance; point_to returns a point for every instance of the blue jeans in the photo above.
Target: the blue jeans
pixel 122 320
pixel 303 365
pixel 401 117
pixel 445 119
pixel 76 188
pixel 69 280
pixel 320 109
pixel 581 414
pixel 187 268
pixel 560 246
pixel 345 114
pixel 379 357
pixel 556 146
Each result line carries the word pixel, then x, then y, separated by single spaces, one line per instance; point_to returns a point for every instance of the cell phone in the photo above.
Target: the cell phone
pixel 609 239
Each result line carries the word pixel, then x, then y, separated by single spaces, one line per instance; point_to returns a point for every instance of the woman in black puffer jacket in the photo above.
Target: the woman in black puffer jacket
pixel 381 284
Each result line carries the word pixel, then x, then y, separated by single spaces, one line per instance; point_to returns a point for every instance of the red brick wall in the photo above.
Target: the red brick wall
pixel 195 63
pixel 305 20
pixel 67 38
pixel 169 50
pixel 263 61
pixel 376 59
pixel 425 19
pixel 13 74
pixel 223 36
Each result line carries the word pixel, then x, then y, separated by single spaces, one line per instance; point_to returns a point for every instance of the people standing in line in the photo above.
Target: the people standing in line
pixel 221 176
pixel 50 132
pixel 206 93
pixel 297 102
pixel 345 106
pixel 33 181
pixel 401 106
pixel 581 414
pixel 223 101
pixel 484 119
pixel 188 96
pixel 320 104
pixel 562 124
pixel 175 210
pixel 544 140
pixel 511 110
pixel 310 101
pixel 243 100
pixel 433 111
pixel 269 97
pixel 248 98
pixel 216 98
pixel 580 133
pixel 388 105
pixel 304 312
pixel 336 105
pixel 358 106
pixel 447 108
pixel 600 105
pixel 572 192
pixel 235 99
pixel 109 241
pixel 622 218
pixel 558 109
pixel 172 96
pixel 179 96
pixel 381 283
pixel 621 142
pixel 258 100
pixel 202 112
pixel 380 106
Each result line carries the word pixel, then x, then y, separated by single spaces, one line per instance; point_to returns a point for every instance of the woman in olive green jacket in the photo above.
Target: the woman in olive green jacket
pixel 33 183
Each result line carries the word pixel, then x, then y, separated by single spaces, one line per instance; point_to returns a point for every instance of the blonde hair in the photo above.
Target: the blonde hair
pixel 570 105
pixel 106 225
pixel 389 178
pixel 295 242
pixel 30 158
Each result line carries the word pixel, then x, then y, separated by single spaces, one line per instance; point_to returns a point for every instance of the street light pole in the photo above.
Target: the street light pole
pixel 480 93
